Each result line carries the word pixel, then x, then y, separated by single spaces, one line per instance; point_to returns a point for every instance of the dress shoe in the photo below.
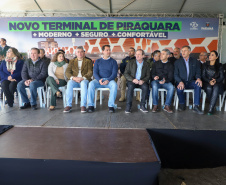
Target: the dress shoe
pixel 26 105
pixel 155 108
pixel 181 107
pixel 197 110
pixel 34 107
pixel 167 109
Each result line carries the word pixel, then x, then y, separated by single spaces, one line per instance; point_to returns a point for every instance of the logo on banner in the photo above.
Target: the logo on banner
pixel 207 27
pixel 194 26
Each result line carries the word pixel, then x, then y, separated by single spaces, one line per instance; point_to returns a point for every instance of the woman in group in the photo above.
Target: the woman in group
pixel 10 71
pixel 57 78
pixel 213 76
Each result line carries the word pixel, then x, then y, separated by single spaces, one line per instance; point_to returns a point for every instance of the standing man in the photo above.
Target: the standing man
pixel 79 73
pixel 125 61
pixel 43 56
pixel 162 77
pixel 137 74
pixel 104 71
pixel 187 74
pixel 3 47
pixel 33 74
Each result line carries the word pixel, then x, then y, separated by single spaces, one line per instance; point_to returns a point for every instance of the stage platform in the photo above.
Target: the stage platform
pixel 81 156
pixel 102 119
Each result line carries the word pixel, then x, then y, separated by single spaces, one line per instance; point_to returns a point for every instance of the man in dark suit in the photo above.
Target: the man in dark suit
pixel 137 74
pixel 187 74
pixel 43 56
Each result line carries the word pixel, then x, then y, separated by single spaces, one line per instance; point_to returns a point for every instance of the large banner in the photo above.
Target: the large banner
pixel 53 33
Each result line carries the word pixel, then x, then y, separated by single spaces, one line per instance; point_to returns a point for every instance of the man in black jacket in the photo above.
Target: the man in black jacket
pixel 137 74
pixel 162 76
pixel 122 70
pixel 34 74
pixel 187 74
pixel 43 56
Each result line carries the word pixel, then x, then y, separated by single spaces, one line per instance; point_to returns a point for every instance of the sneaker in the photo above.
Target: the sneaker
pixel 91 109
pixel 83 109
pixel 143 109
pixel 34 107
pixel 128 110
pixel 111 109
pixel 155 108
pixel 167 109
pixel 26 105
pixel 197 110
pixel 67 109
pixel 181 107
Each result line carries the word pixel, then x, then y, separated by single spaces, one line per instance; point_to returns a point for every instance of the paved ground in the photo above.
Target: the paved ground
pixel 101 118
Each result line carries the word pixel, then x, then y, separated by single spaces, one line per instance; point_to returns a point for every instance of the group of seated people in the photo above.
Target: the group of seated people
pixel 163 71
pixel 180 71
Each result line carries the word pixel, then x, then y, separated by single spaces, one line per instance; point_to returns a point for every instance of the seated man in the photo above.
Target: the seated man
pixel 79 71
pixel 104 71
pixel 137 74
pixel 187 74
pixel 33 74
pixel 162 76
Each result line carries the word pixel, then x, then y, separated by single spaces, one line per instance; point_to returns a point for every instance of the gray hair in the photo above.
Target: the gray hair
pixel 205 53
pixel 80 47
pixel 167 51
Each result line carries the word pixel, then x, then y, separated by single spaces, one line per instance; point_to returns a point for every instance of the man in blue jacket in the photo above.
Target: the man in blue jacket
pixel 104 71
pixel 187 74
pixel 34 74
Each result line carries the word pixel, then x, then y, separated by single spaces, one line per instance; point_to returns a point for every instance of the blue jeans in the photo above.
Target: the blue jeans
pixel 189 85
pixel 168 86
pixel 33 90
pixel 112 85
pixel 69 92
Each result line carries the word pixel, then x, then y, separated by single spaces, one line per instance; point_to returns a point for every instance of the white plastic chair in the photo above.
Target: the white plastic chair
pixel 41 93
pixel 187 91
pixel 221 100
pixel 162 92
pixel 62 89
pixel 3 98
pixel 75 92
pixel 101 94
pixel 139 90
